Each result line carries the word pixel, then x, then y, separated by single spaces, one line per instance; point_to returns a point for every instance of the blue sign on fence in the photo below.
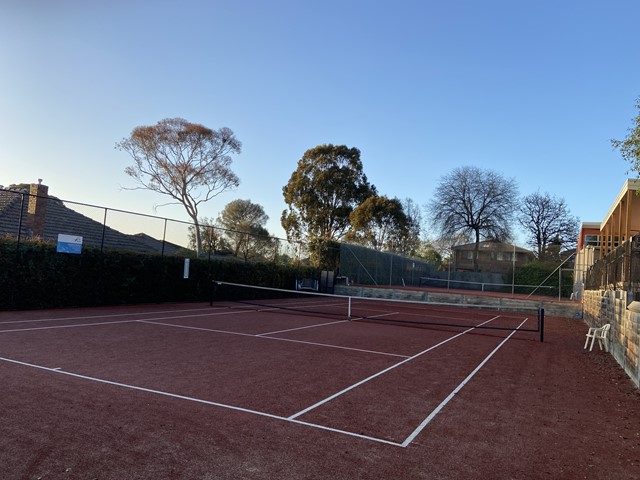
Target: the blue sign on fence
pixel 69 244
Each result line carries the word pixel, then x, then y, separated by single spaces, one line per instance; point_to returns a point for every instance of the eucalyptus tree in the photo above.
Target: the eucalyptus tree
pixel 185 161
pixel 328 183
pixel 244 228
pixel 630 146
pixel 379 221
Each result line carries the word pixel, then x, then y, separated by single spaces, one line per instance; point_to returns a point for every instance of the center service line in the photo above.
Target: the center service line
pixel 375 375
pixel 432 415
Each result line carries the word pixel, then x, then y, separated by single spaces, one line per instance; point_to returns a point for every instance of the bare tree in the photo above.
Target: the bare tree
pixel 473 201
pixel 547 221
pixel 185 161
pixel 411 242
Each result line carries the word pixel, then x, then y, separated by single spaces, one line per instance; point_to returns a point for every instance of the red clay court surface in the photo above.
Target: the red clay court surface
pixel 198 392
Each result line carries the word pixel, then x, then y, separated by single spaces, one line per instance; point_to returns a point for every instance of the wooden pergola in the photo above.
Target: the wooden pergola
pixel 623 220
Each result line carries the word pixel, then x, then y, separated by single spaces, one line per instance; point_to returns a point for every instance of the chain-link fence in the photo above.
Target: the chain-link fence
pixel 366 266
pixel 56 253
pixel 31 215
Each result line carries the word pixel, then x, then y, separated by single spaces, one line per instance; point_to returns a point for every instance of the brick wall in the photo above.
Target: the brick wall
pixel 37 209
pixel 617 308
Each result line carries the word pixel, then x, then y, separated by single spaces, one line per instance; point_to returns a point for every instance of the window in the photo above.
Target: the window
pixel 592 240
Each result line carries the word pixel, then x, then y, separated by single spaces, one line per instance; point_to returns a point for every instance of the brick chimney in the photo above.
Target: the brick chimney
pixel 37 208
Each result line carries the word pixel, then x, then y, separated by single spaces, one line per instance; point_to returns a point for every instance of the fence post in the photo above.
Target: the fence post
pixel 559 284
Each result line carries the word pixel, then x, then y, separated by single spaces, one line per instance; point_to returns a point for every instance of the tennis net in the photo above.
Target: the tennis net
pixel 380 310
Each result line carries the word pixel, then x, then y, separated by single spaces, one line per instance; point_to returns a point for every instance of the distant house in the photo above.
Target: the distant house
pixel 31 213
pixel 495 257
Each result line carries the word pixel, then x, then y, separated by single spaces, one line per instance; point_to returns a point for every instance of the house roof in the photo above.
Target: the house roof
pixel 156 245
pixel 61 219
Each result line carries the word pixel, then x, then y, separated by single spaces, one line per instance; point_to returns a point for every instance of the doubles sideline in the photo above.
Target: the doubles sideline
pixel 295 417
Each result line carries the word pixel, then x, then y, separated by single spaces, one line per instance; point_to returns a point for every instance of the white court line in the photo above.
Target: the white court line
pixel 301 328
pixel 51 327
pixel 432 415
pixel 292 418
pixel 113 315
pixel 328 345
pixel 382 372
pixel 198 400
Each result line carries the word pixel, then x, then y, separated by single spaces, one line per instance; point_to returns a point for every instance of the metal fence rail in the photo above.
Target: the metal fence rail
pixel 619 269
pixel 29 217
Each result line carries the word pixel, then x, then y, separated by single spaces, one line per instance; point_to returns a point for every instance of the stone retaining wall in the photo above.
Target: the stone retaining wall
pixel 551 308
pixel 617 308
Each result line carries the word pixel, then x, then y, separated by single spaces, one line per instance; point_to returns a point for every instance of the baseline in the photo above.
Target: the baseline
pixel 52 327
pixel 294 418
pixel 111 315
pixel 198 400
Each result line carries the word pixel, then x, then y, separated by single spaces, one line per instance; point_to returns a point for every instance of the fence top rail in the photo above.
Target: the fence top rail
pixel 129 212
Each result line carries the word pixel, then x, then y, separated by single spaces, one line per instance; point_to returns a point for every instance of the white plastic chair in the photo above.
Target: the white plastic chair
pixel 599 333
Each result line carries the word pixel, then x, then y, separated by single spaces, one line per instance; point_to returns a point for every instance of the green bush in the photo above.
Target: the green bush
pixel 544 275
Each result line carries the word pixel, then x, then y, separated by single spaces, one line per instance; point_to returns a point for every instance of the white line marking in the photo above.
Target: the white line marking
pixel 274 338
pixel 198 400
pixel 388 314
pixel 355 385
pixel 111 315
pixel 437 410
pixel 53 327
pixel 301 328
pixel 226 312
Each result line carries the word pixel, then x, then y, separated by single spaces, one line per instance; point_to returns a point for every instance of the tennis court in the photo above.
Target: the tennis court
pixel 280 386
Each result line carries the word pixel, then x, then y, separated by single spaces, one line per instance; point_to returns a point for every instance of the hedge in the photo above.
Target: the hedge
pixel 33 275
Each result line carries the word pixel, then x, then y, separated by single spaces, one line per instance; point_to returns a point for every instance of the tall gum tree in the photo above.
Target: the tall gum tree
pixel 378 221
pixel 328 183
pixel 185 161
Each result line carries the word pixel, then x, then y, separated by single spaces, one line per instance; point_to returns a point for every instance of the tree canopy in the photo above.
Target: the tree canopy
pixel 547 222
pixel 328 183
pixel 476 202
pixel 378 221
pixel 244 225
pixel 630 146
pixel 186 161
pixel 211 236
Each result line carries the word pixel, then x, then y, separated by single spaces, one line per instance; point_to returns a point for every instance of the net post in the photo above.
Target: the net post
pixel 349 308
pixel 541 324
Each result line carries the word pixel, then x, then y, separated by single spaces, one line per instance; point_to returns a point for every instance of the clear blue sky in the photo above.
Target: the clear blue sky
pixel 533 90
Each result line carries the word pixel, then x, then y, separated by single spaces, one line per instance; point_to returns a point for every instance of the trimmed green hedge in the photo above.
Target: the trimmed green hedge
pixel 33 275
pixel 537 272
